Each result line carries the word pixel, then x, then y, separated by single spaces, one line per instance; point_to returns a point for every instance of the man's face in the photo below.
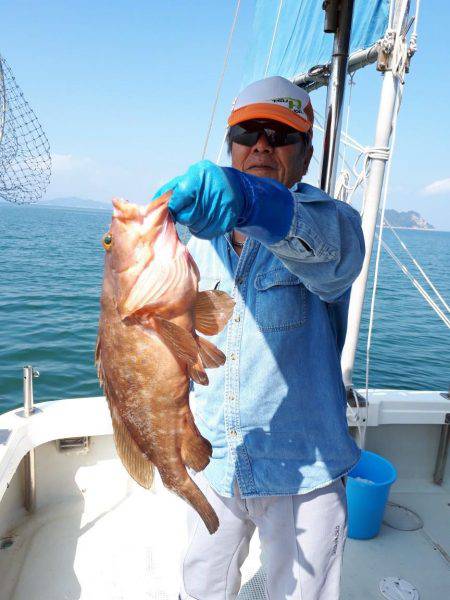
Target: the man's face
pixel 286 164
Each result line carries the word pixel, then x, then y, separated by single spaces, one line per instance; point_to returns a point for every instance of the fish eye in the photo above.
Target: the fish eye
pixel 107 241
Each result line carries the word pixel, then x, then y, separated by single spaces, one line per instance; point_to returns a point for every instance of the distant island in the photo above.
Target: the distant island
pixel 74 202
pixel 406 220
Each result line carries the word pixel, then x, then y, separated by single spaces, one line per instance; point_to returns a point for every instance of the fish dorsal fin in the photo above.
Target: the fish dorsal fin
pixel 212 310
pixel 180 341
pixel 211 356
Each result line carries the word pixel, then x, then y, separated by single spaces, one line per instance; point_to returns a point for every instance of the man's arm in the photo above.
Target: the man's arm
pixel 318 238
pixel 324 246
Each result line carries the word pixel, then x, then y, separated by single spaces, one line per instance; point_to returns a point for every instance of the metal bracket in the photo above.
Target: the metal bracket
pixel 351 393
pixel 331 8
pixel 385 50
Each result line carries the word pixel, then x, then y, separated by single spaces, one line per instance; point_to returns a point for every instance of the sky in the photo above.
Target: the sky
pixel 124 91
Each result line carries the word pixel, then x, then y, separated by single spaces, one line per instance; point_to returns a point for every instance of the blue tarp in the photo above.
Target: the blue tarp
pixel 300 42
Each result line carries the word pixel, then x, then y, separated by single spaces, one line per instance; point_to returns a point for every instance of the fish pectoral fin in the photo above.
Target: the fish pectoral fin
pixel 209 357
pixel 212 310
pixel 197 373
pixel 139 467
pixel 210 354
pixel 184 346
pixel 180 341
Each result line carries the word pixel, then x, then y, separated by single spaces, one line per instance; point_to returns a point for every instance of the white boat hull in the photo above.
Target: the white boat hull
pixel 96 534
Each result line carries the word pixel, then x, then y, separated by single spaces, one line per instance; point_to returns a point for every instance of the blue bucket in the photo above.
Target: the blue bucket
pixel 368 486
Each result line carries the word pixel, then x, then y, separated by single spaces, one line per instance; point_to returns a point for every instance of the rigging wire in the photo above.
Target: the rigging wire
pixel 275 29
pixel 416 263
pixel 222 75
pixel 416 284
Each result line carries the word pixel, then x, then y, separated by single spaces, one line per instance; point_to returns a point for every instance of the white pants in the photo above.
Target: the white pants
pixel 302 542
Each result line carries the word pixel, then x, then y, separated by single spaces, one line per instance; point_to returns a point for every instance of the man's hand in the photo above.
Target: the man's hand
pixel 205 200
pixel 212 200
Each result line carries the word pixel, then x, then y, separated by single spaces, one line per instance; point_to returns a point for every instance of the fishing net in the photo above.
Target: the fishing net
pixel 25 162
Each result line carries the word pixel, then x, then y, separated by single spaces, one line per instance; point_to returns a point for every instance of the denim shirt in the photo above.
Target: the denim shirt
pixel 275 413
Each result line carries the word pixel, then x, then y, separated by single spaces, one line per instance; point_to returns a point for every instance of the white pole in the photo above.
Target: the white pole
pixel 369 219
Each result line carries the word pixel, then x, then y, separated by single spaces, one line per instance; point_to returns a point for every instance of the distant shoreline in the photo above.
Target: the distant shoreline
pixel 108 208
pixel 414 228
pixel 99 208
pixel 57 207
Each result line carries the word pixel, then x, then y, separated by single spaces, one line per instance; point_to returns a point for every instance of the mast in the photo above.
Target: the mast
pixel 374 188
pixel 338 20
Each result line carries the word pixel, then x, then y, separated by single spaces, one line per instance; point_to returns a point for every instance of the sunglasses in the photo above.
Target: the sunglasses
pixel 277 134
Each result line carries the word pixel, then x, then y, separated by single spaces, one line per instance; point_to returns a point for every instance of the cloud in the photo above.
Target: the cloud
pixel 441 186
pixel 101 179
pixel 86 177
pixel 62 163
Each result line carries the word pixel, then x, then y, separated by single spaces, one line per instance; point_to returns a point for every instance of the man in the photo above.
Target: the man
pixel 276 412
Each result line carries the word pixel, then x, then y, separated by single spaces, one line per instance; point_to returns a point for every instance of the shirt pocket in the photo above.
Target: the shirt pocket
pixel 281 301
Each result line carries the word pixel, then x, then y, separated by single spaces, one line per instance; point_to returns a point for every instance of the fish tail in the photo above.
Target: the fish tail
pixel 176 478
pixel 192 493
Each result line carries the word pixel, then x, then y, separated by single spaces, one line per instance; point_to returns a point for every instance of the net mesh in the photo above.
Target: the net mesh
pixel 25 161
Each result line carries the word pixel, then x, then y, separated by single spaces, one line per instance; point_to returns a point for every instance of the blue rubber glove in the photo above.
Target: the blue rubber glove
pixel 213 200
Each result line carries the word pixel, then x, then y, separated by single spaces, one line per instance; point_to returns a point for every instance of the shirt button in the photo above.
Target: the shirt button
pixel 233 356
pixel 233 433
pixel 240 280
pixel 231 398
pixel 237 318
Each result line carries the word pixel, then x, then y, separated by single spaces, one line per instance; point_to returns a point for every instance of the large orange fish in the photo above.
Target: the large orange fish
pixel 148 348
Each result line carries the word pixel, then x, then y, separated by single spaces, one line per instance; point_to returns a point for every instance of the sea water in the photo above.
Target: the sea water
pixel 51 269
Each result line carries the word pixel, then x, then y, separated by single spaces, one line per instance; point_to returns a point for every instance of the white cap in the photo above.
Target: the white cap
pixel 274 98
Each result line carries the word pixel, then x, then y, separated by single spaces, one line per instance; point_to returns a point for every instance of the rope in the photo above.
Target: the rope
pixel 369 153
pixel 351 83
pixel 275 29
pixel 416 263
pixel 219 85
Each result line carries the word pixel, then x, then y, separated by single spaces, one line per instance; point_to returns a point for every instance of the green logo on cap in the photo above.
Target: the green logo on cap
pixel 293 103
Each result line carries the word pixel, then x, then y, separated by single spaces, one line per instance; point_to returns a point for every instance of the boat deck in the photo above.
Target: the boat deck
pixel 129 549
